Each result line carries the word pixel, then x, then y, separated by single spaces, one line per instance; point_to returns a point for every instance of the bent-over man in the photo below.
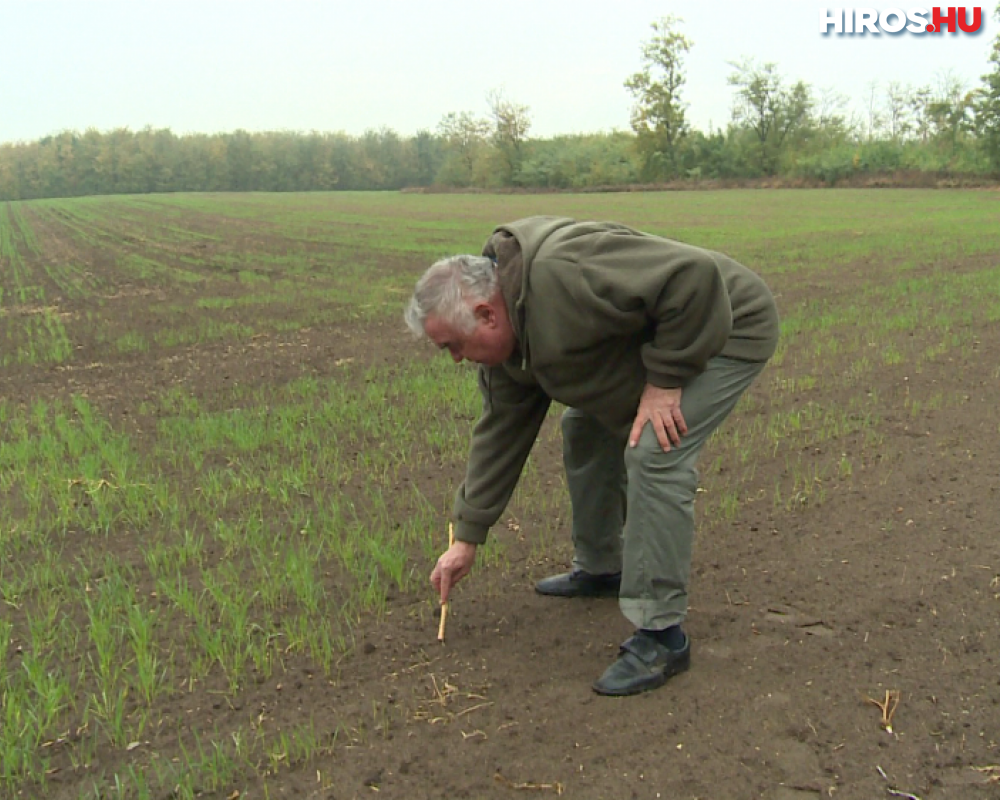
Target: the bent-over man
pixel 649 343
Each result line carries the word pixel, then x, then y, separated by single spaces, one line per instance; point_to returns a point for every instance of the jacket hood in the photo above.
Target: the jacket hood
pixel 530 232
pixel 513 248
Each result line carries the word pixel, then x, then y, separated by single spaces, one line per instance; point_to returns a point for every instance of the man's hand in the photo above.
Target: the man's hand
pixel 661 408
pixel 453 565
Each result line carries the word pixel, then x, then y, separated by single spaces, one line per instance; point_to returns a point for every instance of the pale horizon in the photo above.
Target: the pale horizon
pixel 218 66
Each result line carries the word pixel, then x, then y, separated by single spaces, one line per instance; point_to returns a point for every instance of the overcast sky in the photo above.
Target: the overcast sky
pixel 349 65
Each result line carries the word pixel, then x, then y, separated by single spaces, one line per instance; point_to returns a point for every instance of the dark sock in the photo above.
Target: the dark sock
pixel 672 638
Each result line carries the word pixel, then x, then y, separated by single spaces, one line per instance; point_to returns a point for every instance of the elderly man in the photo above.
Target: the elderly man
pixel 650 343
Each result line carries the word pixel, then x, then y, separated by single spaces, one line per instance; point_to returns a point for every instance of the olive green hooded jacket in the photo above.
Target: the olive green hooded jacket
pixel 599 310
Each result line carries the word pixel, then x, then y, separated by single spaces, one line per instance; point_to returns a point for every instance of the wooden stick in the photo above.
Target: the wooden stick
pixel 444 606
pixel 444 620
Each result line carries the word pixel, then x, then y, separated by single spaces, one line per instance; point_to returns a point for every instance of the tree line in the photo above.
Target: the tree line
pixel 779 128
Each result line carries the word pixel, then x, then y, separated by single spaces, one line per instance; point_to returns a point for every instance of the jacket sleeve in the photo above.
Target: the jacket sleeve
pixel 675 291
pixel 501 441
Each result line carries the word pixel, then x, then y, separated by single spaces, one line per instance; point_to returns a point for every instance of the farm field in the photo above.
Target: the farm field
pixel 226 470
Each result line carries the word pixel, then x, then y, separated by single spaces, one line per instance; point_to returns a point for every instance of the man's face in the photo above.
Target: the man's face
pixel 491 341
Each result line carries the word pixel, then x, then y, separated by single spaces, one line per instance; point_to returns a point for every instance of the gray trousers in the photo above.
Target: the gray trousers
pixel 652 543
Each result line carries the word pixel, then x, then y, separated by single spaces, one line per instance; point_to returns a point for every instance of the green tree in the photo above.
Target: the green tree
pixel 897 107
pixel 510 125
pixel 769 108
pixel 465 139
pixel 987 106
pixel 949 113
pixel 875 116
pixel 428 154
pixel 658 116
pixel 239 160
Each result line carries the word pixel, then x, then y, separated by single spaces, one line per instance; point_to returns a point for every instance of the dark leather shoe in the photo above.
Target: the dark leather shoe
pixel 643 664
pixel 580 584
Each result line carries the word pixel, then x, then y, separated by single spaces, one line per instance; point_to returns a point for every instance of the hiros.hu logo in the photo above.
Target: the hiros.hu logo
pixel 896 20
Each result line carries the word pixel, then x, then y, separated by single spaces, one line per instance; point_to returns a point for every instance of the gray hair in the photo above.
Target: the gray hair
pixel 445 290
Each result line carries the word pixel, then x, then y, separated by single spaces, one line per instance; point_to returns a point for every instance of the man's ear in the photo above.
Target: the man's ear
pixel 484 312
